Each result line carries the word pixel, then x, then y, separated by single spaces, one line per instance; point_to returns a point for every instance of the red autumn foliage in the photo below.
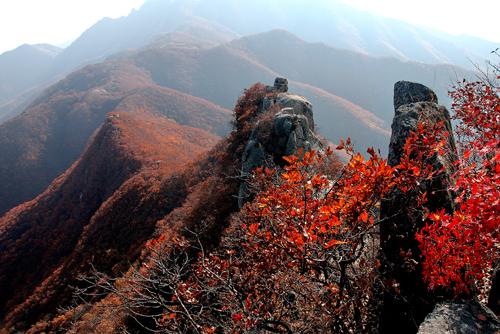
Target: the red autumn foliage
pixel 301 256
pixel 460 248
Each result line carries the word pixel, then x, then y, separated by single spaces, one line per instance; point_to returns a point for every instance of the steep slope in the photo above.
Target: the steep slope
pixel 42 142
pixel 104 205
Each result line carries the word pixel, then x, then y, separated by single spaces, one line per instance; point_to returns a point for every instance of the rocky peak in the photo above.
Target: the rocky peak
pixel 292 129
pixel 406 92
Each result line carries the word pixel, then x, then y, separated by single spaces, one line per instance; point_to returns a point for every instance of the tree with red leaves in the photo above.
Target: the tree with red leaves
pixel 460 248
pixel 301 257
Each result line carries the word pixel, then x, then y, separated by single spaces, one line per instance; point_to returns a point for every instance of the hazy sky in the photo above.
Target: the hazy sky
pixel 57 21
pixel 54 21
pixel 474 17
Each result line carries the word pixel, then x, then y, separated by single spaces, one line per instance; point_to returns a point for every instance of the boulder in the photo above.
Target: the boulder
pixel 296 105
pixel 471 317
pixel 280 84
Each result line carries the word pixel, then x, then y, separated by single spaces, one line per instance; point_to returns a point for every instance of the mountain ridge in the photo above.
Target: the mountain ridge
pixel 41 143
pixel 124 160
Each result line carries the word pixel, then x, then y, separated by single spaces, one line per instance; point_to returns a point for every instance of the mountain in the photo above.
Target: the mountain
pixel 135 141
pixel 351 92
pixel 45 140
pixel 105 39
pixel 364 80
pixel 106 205
pixel 339 25
pixel 23 67
pixel 140 174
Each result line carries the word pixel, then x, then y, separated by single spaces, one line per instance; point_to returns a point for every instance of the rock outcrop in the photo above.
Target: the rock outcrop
pixel 406 92
pixel 456 318
pixel 280 84
pixel 405 308
pixel 292 129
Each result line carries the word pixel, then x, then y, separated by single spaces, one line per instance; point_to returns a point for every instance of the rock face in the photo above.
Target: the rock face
pixel 455 318
pixel 295 104
pixel 494 297
pixel 292 129
pixel 403 310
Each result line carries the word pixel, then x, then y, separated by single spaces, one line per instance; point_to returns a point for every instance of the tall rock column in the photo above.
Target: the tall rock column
pixel 406 306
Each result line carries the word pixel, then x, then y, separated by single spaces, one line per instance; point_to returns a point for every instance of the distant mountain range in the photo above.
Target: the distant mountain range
pixel 219 21
pixel 45 140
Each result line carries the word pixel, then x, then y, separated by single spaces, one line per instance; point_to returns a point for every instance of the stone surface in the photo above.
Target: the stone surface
pixel 281 84
pixel 406 119
pixel 406 92
pixel 403 311
pixel 460 318
pixel 296 104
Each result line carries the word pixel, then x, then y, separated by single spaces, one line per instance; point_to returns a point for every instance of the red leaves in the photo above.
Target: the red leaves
pixel 458 248
pixel 334 243
pixel 345 146
pixel 298 229
pixel 364 216
pixel 253 228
